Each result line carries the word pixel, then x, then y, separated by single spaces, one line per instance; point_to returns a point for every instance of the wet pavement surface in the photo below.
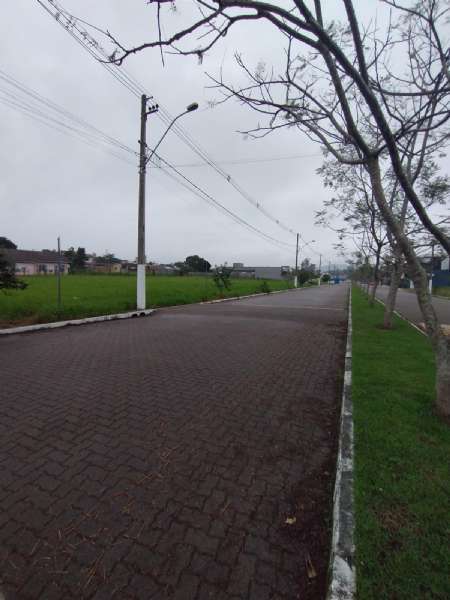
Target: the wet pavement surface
pixel 408 306
pixel 160 457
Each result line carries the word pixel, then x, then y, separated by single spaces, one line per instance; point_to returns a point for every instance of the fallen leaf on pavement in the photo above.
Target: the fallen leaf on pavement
pixel 310 568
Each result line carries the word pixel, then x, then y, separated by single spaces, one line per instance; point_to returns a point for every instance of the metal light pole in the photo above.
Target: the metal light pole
pixel 143 160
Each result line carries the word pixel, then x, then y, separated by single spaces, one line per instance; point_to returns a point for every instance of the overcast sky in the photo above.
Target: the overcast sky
pixel 53 184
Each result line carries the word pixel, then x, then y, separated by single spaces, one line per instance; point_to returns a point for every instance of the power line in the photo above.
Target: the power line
pixel 58 125
pixel 248 161
pixel 48 113
pixel 28 92
pixel 89 43
pixel 201 193
pixel 95 137
pixel 71 24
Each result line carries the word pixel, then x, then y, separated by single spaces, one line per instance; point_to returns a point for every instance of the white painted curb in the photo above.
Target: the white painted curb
pixel 57 324
pixel 403 318
pixel 342 569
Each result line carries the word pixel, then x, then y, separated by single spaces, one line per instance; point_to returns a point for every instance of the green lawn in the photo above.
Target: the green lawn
pixel 402 452
pixel 442 291
pixel 88 295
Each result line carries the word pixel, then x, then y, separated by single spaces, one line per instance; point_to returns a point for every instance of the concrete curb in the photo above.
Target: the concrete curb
pixel 398 314
pixel 342 570
pixel 57 324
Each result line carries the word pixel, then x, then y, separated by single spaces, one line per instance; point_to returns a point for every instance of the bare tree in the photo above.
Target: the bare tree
pixel 355 205
pixel 340 87
pixel 363 223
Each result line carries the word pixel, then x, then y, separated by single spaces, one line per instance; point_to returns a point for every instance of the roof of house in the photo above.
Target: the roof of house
pixel 243 269
pixel 33 256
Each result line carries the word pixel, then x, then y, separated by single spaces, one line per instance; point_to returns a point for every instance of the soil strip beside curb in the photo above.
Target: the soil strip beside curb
pixel 342 584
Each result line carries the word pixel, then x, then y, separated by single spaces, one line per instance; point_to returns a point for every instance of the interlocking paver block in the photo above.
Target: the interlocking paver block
pixel 159 457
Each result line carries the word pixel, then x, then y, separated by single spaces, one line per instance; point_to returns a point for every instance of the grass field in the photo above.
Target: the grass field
pixel 89 295
pixel 402 483
pixel 442 291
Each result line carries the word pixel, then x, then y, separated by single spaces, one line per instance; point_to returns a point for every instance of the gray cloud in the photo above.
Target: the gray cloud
pixel 52 184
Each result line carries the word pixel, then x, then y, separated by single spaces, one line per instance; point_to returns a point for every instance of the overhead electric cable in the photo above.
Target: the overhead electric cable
pixel 205 196
pixel 70 23
pixel 247 161
pixel 60 128
pixel 94 137
pixel 27 91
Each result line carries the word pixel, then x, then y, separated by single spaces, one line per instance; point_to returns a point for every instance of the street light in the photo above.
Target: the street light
pixel 143 160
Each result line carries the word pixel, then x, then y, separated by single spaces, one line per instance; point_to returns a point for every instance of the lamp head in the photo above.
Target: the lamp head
pixel 192 107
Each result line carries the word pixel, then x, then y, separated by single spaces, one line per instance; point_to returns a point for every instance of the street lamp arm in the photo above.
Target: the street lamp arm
pixel 190 108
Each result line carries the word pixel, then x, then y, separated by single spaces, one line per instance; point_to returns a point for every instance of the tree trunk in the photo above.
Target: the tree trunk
pixel 373 292
pixel 443 378
pixel 396 274
pixel 440 343
pixel 376 281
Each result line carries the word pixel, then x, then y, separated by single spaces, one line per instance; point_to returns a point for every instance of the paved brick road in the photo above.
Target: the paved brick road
pixel 408 306
pixel 160 457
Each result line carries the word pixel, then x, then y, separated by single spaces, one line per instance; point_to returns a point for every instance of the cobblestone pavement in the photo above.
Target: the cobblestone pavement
pixel 408 306
pixel 160 457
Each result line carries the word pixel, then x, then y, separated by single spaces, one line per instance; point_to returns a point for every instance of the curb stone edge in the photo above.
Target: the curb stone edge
pixel 57 324
pixel 342 569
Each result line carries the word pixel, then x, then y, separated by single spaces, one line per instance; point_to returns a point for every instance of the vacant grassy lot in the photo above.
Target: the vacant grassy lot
pixel 89 295
pixel 402 489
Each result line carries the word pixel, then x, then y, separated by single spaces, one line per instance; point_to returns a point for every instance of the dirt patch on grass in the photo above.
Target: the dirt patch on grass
pixel 394 519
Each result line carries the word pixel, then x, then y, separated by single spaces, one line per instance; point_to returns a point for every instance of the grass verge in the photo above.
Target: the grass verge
pixel 91 295
pixel 442 291
pixel 402 486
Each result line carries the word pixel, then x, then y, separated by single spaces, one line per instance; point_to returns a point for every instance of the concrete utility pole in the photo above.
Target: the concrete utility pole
pixel 143 160
pixel 59 275
pixel 320 267
pixel 296 264
pixel 140 291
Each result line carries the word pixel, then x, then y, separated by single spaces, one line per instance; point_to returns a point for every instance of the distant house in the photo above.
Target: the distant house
pixel 150 268
pixel 103 264
pixel 239 270
pixel 438 266
pixel 160 269
pixel 34 262
pixel 441 276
